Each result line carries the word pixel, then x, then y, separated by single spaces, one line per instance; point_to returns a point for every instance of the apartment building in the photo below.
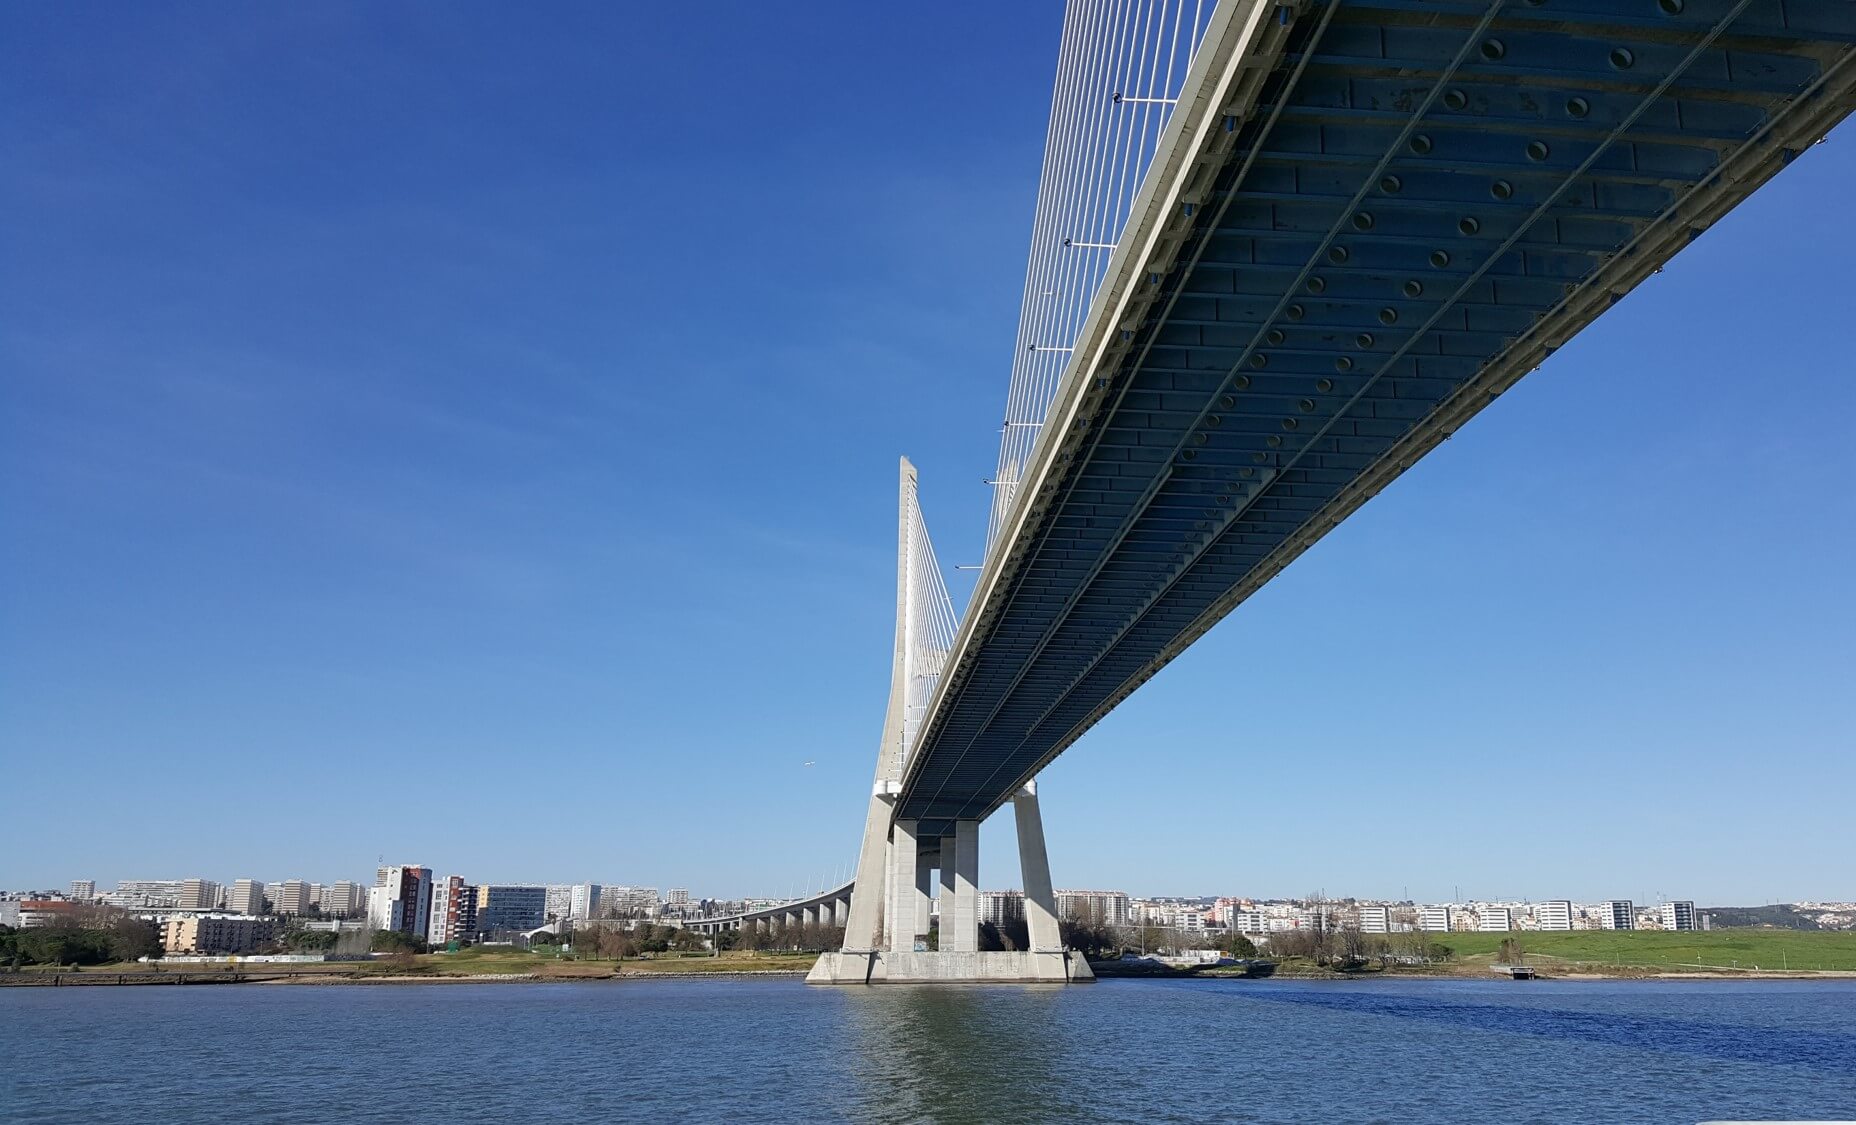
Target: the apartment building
pixel 199 894
pixel 1001 907
pixel 1102 908
pixel 247 897
pixel 402 901
pixel 1249 922
pixel 344 899
pixel 216 933
pixel 1375 919
pixel 292 899
pixel 454 911
pixel 1677 915
pixel 1494 920
pixel 1555 914
pixel 584 902
pixel 1434 919
pixel 1618 914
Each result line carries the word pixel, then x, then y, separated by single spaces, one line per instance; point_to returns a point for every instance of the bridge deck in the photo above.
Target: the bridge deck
pixel 1367 220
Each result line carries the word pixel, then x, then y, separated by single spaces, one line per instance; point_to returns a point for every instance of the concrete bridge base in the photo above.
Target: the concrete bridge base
pixel 884 967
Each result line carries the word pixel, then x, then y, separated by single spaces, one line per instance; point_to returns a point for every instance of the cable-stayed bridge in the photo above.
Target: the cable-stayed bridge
pixel 1282 250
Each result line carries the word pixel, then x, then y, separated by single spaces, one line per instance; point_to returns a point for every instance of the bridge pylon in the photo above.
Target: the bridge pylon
pixel 902 863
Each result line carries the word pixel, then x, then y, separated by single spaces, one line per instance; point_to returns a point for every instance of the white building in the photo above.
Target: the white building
pixel 1553 915
pixel 1494 920
pixel 677 896
pixel 1618 914
pixel 1434 919
pixel 403 902
pixel 584 902
pixel 1102 908
pixel 620 901
pixel 146 892
pixel 559 902
pixel 1249 922
pixel 454 911
pixel 1000 907
pixel 1375 919
pixel 1677 915
pixel 83 890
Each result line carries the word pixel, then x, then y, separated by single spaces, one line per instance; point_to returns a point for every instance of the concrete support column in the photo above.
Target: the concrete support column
pixel 811 918
pixel 1034 866
pixel 902 886
pixel 966 931
pixel 947 891
pixel 924 894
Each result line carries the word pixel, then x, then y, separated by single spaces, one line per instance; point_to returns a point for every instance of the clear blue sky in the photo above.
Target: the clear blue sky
pixel 446 433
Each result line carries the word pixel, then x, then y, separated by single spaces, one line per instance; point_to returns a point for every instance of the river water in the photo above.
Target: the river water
pixel 1398 1051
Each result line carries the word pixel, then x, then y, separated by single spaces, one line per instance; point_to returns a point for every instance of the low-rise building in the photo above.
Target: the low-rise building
pixel 31 913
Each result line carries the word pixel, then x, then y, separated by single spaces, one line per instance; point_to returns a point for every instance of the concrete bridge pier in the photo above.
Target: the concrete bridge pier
pixel 890 903
pixel 909 872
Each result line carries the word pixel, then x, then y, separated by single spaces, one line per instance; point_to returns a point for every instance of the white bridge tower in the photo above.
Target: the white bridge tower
pixel 891 904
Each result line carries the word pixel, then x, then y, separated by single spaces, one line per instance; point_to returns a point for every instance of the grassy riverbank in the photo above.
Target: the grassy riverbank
pixel 1593 950
pixel 467 964
pixel 1626 954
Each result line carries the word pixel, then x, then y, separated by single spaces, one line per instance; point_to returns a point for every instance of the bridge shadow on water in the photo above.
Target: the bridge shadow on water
pixel 957 1053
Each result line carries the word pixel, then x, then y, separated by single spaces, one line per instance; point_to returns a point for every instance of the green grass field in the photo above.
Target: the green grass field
pixel 1654 949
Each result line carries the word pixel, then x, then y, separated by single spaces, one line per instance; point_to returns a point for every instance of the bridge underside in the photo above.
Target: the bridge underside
pixel 1375 216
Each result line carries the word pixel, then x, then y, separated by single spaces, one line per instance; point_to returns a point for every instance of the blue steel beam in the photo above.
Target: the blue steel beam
pixel 1408 206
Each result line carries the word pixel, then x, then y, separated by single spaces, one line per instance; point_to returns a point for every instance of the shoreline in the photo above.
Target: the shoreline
pixel 128 980
pixel 95 979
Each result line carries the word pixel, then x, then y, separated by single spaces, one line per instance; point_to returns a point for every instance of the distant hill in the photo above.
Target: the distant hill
pixel 1781 917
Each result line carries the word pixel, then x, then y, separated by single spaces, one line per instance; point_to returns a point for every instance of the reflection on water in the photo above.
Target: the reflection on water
pixel 957 1052
pixel 1280 1051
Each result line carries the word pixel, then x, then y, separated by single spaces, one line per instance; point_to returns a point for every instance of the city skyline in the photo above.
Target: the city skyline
pixel 82 888
pixel 436 468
